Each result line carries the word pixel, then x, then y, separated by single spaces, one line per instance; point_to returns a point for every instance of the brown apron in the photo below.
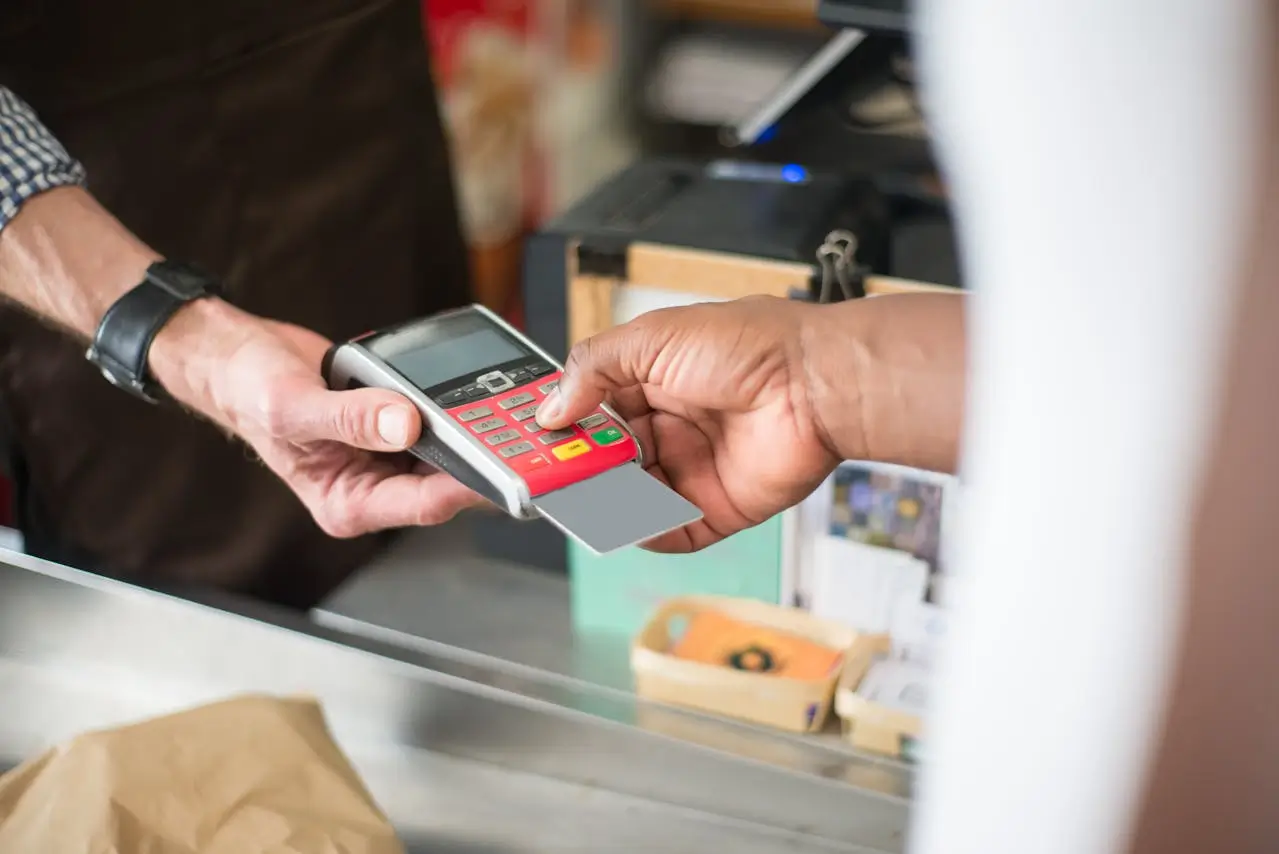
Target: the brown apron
pixel 293 146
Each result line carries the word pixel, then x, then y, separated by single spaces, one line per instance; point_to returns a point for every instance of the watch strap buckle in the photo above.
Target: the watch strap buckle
pixel 119 377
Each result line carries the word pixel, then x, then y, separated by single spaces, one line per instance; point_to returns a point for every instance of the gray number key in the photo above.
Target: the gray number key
pixel 504 436
pixel 557 436
pixel 517 400
pixel 488 426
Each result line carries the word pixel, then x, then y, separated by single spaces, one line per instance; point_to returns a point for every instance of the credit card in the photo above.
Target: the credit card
pixel 618 508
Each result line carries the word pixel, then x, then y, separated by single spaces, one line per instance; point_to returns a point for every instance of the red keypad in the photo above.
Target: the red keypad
pixel 547 460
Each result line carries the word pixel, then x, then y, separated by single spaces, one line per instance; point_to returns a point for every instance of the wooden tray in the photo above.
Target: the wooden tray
pixel 784 703
pixel 866 725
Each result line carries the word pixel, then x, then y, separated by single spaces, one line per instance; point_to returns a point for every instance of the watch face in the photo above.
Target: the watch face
pixel 184 281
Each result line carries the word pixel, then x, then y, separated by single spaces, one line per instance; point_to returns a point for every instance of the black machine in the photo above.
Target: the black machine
pixel 870 39
pixel 779 212
pixel 903 225
pixel 876 16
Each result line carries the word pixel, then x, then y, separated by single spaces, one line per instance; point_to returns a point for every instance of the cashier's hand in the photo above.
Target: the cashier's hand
pixel 718 397
pixel 336 450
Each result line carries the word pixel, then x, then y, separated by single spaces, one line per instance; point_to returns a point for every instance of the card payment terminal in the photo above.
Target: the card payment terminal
pixel 478 383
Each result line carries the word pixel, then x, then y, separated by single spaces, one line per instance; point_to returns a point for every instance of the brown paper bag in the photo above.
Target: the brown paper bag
pixel 249 775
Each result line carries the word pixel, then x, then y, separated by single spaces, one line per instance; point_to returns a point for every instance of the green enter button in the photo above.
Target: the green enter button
pixel 607 436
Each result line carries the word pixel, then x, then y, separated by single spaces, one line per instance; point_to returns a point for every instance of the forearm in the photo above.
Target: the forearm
pixel 66 259
pixel 60 254
pixel 887 378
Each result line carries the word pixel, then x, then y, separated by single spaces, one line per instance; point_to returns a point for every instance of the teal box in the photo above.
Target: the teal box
pixel 617 593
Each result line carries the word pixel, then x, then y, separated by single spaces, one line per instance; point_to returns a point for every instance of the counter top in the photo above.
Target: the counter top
pixel 464 753
pixel 432 587
pixel 438 803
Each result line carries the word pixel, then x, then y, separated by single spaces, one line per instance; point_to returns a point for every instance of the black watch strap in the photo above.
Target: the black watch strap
pixel 122 343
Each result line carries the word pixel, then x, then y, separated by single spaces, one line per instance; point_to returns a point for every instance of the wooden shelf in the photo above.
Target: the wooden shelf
pixel 792 14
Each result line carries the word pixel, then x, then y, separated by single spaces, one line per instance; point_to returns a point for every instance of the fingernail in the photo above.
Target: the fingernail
pixel 393 425
pixel 550 407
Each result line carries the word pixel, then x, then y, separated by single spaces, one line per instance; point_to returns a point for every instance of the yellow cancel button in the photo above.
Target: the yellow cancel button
pixel 571 449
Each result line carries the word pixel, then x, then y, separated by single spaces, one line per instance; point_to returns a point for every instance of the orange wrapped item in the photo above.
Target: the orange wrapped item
pixel 718 639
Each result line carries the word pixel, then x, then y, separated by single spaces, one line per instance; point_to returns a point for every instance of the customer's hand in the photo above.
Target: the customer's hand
pixel 261 380
pixel 718 395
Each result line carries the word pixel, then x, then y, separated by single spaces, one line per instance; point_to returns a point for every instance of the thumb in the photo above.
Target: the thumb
pixel 368 418
pixel 616 359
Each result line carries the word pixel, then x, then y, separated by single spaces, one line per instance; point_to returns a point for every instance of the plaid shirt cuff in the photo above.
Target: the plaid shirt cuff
pixel 31 159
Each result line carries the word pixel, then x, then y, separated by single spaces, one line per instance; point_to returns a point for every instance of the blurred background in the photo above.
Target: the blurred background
pixel 545 99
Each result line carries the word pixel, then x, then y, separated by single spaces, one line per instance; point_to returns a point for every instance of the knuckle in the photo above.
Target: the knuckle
pixel 655 322
pixel 350 423
pixel 429 518
pixel 579 356
pixel 342 530
pixel 335 524
pixel 436 514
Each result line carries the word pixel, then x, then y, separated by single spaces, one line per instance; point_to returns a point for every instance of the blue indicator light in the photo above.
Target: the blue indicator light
pixel 794 174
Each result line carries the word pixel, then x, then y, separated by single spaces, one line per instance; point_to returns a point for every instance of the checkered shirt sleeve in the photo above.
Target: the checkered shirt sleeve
pixel 31 159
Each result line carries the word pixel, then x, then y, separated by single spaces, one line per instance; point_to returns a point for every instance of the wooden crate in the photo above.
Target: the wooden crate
pixel 867 725
pixel 790 704
pixel 701 275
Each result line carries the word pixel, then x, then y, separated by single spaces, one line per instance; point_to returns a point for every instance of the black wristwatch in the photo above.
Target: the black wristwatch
pixel 123 340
